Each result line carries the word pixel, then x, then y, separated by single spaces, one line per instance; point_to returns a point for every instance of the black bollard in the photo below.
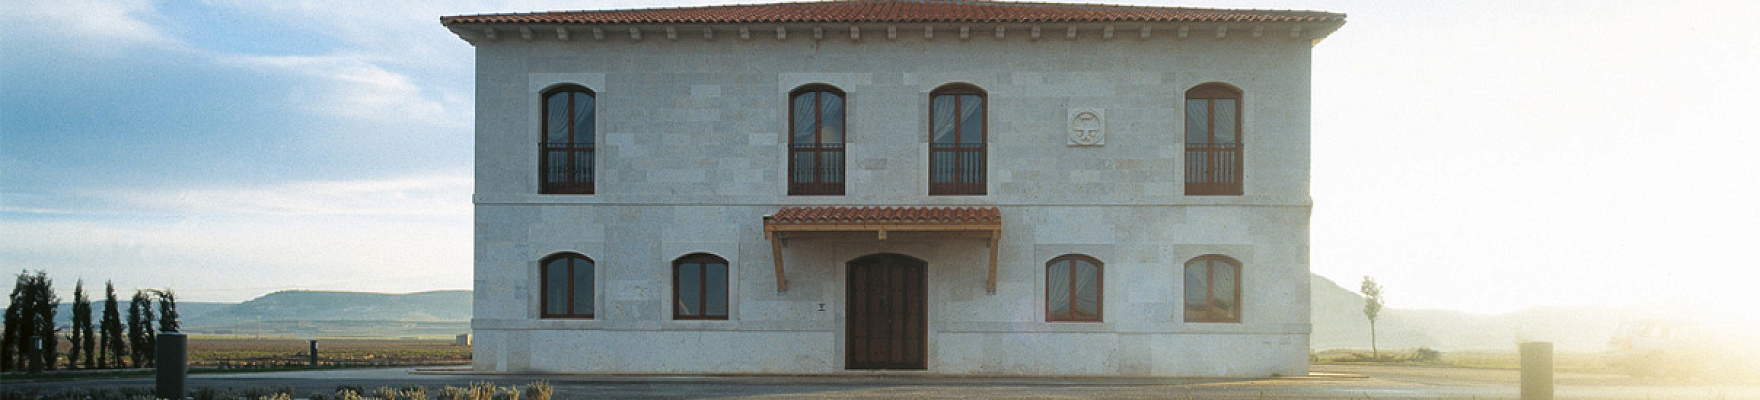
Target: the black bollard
pixel 314 352
pixel 172 365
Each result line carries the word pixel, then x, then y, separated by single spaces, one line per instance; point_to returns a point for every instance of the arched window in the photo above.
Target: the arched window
pixel 815 142
pixel 1213 289
pixel 567 281
pixel 566 154
pixel 1213 140
pixel 699 287
pixel 1073 287
pixel 957 137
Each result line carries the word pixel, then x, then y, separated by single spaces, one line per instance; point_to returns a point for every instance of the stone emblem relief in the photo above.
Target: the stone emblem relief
pixel 1087 127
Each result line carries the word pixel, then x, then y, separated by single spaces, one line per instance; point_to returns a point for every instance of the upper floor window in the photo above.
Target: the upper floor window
pixel 699 287
pixel 567 281
pixel 1213 140
pixel 1213 289
pixel 815 143
pixel 1073 287
pixel 566 154
pixel 957 137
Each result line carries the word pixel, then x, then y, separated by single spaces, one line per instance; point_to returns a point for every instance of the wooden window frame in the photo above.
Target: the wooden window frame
pixel 703 289
pixel 1208 262
pixel 1211 180
pixel 1099 288
pixel 820 186
pixel 958 187
pixel 544 286
pixel 570 148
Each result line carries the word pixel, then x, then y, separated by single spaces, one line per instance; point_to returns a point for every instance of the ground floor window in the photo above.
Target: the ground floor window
pixel 567 281
pixel 699 283
pixel 1213 289
pixel 1073 284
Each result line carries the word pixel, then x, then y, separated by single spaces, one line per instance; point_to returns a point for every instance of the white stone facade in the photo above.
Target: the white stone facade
pixel 692 153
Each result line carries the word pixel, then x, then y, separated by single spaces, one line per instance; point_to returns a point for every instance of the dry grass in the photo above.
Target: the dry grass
pixel 1490 359
pixel 229 352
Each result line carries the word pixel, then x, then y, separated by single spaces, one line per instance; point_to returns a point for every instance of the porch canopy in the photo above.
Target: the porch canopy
pixel 881 223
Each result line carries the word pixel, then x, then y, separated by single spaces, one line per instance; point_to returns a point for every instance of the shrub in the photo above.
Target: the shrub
pixel 540 390
pixel 387 393
pixel 256 392
pixel 506 394
pixel 209 393
pixel 318 396
pixel 452 393
pixel 1426 354
pixel 482 391
pixel 415 392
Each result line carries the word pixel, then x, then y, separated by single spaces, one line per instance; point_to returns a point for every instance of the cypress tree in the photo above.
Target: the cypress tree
pixel 82 314
pixel 111 330
pixel 137 337
pixel 14 316
pixel 47 304
pixel 167 311
pixel 80 332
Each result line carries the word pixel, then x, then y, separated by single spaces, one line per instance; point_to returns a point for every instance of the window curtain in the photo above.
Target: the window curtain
pixel 1087 290
pixel 1057 289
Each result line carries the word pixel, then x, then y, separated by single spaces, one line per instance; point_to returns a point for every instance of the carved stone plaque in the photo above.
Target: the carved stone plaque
pixel 1087 127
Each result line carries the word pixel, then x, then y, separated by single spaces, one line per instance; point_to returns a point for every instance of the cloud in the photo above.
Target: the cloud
pixel 350 86
pixel 103 27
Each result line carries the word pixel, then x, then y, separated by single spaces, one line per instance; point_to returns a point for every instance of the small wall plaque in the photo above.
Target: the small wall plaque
pixel 1087 127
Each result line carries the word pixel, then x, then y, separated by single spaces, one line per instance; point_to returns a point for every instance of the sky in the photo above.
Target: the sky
pixel 1483 156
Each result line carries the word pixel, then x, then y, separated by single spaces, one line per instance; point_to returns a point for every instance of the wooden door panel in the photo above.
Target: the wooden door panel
pixel 886 312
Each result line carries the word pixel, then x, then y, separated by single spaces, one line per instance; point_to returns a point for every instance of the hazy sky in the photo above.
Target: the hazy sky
pixel 1482 156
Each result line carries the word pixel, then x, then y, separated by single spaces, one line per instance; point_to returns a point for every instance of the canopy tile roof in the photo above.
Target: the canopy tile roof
pixel 866 214
pixel 899 11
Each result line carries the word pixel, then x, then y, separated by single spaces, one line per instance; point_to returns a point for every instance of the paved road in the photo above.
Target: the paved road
pixel 1330 382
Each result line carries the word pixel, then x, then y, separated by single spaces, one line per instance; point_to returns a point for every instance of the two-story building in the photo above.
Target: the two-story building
pixel 952 186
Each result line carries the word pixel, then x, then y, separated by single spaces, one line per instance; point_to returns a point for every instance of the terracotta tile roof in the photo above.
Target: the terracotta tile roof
pixel 836 214
pixel 898 11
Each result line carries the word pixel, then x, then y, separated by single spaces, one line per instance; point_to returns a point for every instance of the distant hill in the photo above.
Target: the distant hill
pixel 437 306
pixel 185 310
pixel 1339 323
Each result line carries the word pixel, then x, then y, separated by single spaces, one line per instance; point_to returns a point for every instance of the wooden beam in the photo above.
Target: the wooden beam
pixel 929 32
pixel 1035 34
pixel 562 33
pixel 1222 32
pixel 708 33
pixel 995 241
pixel 489 33
pixel 965 32
pixel 776 254
pixel 818 33
pixel 671 33
pixel 745 33
pixel 1107 34
pixel 635 34
pixel 855 32
pixel 781 32
pixel 525 33
pixel 1071 35
pixel 1001 31
pixel 891 32
pixel 598 33
pixel 1295 32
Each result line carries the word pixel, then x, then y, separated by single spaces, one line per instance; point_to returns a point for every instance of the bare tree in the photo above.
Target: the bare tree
pixel 1372 308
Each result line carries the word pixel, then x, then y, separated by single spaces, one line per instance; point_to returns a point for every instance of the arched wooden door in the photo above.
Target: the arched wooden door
pixel 887 313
